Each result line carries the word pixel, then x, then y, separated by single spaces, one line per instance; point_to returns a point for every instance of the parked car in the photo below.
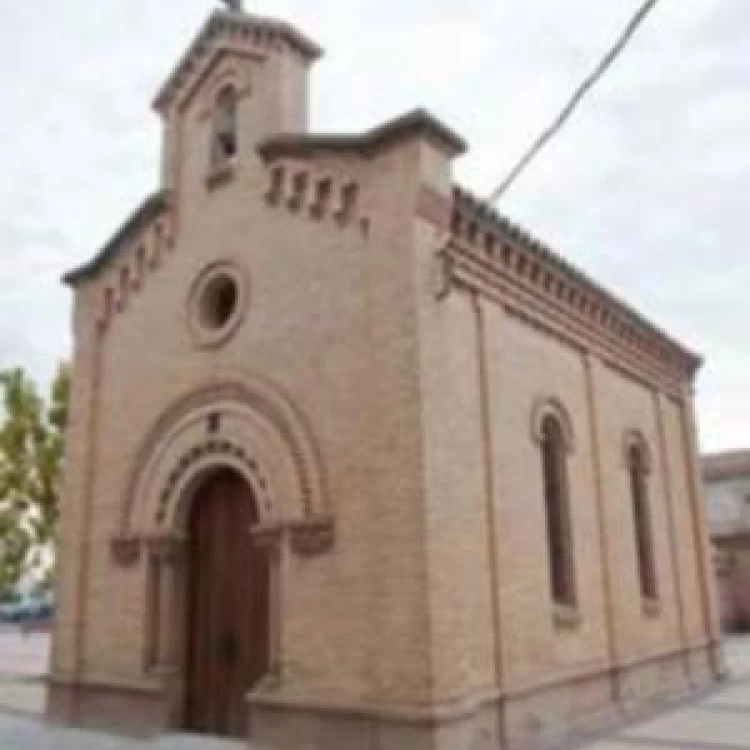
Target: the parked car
pixel 28 609
pixel 8 606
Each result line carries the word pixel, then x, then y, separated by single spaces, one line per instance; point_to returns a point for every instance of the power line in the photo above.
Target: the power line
pixel 574 101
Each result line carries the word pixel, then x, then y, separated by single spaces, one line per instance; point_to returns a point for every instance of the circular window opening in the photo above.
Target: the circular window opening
pixel 218 302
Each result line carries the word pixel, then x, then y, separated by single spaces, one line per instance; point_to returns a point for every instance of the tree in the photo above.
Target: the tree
pixel 31 455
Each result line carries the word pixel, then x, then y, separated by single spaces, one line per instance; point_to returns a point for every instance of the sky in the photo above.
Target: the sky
pixel 647 189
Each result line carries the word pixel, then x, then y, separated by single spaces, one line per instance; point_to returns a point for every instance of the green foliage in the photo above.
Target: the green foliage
pixel 31 455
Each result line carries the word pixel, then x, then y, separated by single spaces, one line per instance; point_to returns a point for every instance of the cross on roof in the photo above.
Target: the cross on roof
pixel 233 5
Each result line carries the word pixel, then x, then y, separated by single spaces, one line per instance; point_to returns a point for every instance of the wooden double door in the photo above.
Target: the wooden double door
pixel 228 612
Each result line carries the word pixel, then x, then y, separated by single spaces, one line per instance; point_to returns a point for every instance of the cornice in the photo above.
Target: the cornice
pixel 465 269
pixel 502 254
pixel 122 268
pixel 415 122
pixel 154 206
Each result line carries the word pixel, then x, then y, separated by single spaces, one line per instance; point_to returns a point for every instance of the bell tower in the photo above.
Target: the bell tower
pixel 244 77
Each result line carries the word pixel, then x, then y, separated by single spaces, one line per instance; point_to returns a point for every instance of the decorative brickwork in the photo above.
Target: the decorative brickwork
pixel 633 438
pixel 545 406
pixel 239 404
pixel 316 196
pixel 501 258
pixel 245 35
pixel 212 448
pixel 126 550
pixel 312 537
pixel 141 256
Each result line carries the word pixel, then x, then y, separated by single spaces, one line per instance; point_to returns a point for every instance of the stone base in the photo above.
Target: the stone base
pixel 544 716
pixel 584 706
pixel 285 724
pixel 132 710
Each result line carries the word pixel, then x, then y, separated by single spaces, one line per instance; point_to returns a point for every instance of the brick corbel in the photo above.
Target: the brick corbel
pixel 268 535
pixel 126 550
pixel 312 536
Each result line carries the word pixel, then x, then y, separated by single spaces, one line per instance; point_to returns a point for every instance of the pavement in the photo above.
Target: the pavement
pixel 720 720
pixel 23 664
pixel 23 656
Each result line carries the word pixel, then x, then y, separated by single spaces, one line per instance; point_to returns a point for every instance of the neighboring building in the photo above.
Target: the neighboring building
pixel 727 480
pixel 354 462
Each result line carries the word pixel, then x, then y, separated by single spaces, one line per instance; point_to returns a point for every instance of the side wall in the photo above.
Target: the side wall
pixel 484 369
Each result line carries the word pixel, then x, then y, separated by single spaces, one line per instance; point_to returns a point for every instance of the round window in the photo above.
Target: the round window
pixel 216 304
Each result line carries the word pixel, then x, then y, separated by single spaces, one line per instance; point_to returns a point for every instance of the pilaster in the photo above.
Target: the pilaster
pixel 701 539
pixel 487 375
pixel 660 403
pixel 592 369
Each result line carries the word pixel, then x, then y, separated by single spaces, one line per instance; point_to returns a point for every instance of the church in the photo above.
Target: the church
pixel 354 462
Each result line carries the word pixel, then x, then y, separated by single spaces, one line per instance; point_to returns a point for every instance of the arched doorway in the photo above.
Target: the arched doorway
pixel 228 606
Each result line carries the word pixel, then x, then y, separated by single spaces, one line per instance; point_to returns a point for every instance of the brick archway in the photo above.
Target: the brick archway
pixel 244 426
pixel 243 422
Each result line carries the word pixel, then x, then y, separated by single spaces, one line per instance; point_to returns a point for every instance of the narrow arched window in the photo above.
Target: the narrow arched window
pixel 559 534
pixel 637 468
pixel 225 138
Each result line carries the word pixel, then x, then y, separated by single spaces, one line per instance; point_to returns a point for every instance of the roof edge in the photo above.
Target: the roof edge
pixel 693 360
pixel 416 120
pixel 149 209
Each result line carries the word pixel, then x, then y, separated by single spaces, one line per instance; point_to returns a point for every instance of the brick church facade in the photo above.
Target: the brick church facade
pixel 355 462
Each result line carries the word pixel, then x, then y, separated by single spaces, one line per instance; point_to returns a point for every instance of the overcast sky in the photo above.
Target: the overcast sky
pixel 648 189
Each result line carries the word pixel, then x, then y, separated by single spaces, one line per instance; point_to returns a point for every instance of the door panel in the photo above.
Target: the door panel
pixel 228 607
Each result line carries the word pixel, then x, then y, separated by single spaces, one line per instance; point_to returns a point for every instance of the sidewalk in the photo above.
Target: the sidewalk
pixel 23 656
pixel 24 661
pixel 718 722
